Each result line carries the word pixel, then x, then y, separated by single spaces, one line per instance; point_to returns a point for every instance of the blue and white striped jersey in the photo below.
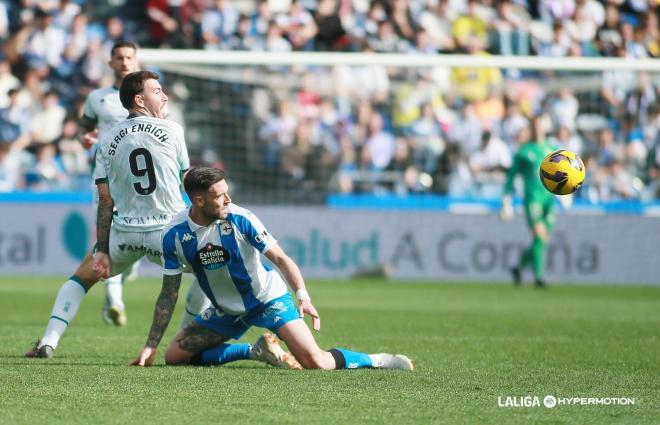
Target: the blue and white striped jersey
pixel 225 258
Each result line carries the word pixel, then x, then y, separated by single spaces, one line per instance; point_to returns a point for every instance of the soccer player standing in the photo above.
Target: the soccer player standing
pixel 538 202
pixel 221 244
pixel 139 164
pixel 102 110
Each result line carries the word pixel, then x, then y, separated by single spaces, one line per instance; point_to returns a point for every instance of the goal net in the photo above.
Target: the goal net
pixel 297 128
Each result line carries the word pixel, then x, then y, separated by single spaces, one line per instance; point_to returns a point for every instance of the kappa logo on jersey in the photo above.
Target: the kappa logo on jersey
pixel 213 257
pixel 261 236
pixel 186 237
pixel 225 227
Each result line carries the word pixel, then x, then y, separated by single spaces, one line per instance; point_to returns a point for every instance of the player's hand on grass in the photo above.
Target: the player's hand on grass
pixel 89 139
pixel 146 357
pixel 506 210
pixel 306 307
pixel 101 264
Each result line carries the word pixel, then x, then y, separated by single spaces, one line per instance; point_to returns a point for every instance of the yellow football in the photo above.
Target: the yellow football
pixel 562 172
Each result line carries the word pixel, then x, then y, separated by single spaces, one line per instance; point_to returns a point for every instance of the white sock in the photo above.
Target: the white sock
pixel 64 310
pixel 114 290
pixel 196 302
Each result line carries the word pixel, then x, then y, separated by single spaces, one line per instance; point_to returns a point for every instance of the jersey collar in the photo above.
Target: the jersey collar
pixel 195 227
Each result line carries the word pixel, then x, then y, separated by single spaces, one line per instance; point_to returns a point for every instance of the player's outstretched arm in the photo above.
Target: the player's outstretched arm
pixel 165 304
pixel 101 263
pixel 294 278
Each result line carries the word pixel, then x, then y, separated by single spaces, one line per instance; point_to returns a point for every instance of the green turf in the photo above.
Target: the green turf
pixel 471 344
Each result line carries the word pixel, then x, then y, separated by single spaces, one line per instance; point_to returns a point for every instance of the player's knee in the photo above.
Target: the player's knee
pixel 174 358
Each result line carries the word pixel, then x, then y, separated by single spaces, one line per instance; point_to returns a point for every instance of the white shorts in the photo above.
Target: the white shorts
pixel 128 247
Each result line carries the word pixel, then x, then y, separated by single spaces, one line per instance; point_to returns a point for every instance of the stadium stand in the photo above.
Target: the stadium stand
pixel 375 129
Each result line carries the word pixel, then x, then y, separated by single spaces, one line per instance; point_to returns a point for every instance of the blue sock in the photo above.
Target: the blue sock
pixel 225 353
pixel 351 359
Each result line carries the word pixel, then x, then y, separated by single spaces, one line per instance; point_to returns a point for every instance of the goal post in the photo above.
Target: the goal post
pixel 299 127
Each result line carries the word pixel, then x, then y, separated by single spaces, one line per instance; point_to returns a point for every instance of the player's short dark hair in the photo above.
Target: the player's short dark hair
pixel 133 84
pixel 121 44
pixel 200 179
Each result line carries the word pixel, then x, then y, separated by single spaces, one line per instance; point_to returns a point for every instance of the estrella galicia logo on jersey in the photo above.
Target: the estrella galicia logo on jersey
pixel 225 227
pixel 212 257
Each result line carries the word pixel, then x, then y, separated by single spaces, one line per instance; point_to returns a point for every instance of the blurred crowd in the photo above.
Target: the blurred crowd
pixel 357 129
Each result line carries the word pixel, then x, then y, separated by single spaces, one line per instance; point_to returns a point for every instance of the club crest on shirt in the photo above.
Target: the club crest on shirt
pixel 212 257
pixel 225 228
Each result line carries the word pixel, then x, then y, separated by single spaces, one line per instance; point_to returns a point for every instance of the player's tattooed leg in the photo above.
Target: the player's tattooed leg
pixel 196 338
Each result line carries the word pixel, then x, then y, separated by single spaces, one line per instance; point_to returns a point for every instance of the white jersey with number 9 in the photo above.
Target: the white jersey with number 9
pixel 142 160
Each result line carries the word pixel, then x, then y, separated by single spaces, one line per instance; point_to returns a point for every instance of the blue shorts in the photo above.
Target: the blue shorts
pixel 271 315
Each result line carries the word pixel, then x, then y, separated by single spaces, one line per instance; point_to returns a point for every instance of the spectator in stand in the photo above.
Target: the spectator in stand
pixel 512 26
pixel 8 81
pixel 608 37
pixel 191 22
pixel 278 132
pixel 620 184
pixel 65 13
pixel 437 23
pixel 466 130
pixel 164 28
pixel 219 23
pixel 649 33
pixel 616 85
pixel 275 41
pixel 489 165
pixel 299 26
pixel 634 49
pixel 243 39
pixel 47 172
pixel 564 108
pixel 73 155
pixel 567 138
pixel 652 169
pixel 331 34
pixel 47 123
pixel 427 140
pixel 470 26
pixel 261 20
pixel 606 150
pixel 15 123
pixel 379 146
pixel 511 124
pixel 556 10
pixel 474 84
pixel 4 21
pixel 115 31
pixel 11 177
pixel 404 24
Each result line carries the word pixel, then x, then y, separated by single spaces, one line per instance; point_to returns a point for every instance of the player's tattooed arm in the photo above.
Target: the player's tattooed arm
pixel 104 218
pixel 165 304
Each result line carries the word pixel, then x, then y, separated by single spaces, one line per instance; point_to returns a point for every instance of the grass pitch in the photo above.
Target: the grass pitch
pixel 473 345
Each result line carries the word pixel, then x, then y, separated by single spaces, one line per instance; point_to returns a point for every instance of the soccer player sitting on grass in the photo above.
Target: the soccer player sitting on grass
pixel 221 243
